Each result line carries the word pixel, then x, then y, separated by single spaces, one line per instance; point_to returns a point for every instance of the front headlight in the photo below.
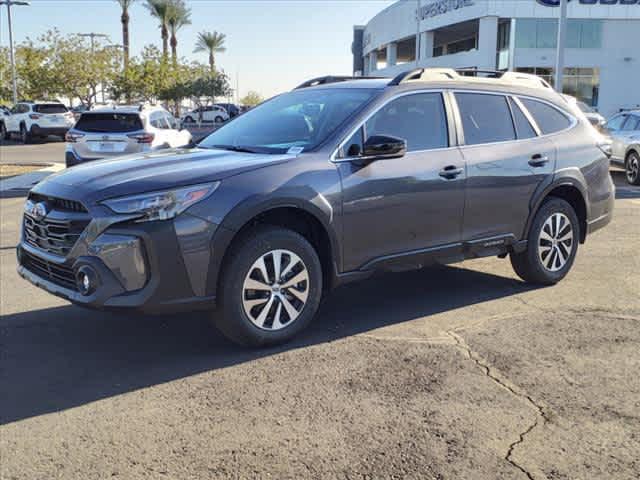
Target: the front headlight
pixel 162 205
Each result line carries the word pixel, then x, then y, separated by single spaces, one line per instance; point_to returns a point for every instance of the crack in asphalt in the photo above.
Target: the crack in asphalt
pixel 488 370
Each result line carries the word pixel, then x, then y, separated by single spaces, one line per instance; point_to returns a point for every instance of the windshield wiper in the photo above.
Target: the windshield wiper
pixel 235 148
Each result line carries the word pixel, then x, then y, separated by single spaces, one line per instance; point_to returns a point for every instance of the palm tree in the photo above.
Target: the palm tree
pixel 161 9
pixel 211 42
pixel 179 16
pixel 124 19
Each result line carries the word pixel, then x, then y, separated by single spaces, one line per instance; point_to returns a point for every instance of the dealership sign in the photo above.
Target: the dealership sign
pixel 556 3
pixel 442 6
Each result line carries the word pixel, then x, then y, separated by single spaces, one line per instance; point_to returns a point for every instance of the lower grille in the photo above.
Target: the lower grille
pixel 58 274
pixel 53 236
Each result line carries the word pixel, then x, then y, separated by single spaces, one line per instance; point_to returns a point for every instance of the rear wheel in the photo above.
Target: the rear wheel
pixel 4 134
pixel 632 168
pixel 552 244
pixel 219 119
pixel 270 287
pixel 189 119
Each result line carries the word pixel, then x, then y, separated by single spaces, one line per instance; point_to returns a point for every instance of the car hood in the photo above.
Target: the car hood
pixel 159 170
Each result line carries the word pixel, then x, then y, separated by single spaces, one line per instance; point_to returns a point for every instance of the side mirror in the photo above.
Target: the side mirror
pixel 379 147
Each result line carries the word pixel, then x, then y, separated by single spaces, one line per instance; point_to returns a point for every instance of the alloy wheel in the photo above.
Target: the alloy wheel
pixel 633 168
pixel 23 134
pixel 275 290
pixel 555 243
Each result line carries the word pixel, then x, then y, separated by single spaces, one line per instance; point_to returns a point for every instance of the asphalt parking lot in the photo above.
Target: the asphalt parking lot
pixel 457 372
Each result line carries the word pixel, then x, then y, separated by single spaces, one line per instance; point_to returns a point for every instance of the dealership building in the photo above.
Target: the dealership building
pixel 602 54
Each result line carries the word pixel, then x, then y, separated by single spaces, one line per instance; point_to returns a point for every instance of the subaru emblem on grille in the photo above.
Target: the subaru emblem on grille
pixel 36 210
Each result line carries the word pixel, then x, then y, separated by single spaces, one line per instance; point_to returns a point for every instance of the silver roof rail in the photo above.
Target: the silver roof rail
pixel 450 74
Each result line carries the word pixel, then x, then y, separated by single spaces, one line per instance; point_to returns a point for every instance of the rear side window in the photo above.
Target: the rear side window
pixel 50 108
pixel 109 122
pixel 419 119
pixel 485 118
pixel 158 120
pixel 549 119
pixel 523 126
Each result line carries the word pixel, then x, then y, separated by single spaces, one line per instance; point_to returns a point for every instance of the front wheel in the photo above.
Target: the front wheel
pixel 189 119
pixel 270 287
pixel 632 168
pixel 552 244
pixel 218 119
pixel 4 134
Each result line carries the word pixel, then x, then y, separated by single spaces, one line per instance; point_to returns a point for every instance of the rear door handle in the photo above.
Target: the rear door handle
pixel 538 160
pixel 451 172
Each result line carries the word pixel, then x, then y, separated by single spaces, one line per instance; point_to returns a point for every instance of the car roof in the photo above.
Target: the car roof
pixel 126 109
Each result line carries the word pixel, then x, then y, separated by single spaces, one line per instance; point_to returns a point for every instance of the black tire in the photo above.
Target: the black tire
pixel 4 134
pixel 632 168
pixel 218 119
pixel 189 119
pixel 231 318
pixel 25 136
pixel 529 264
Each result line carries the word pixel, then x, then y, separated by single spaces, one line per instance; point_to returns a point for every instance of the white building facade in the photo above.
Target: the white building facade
pixel 602 55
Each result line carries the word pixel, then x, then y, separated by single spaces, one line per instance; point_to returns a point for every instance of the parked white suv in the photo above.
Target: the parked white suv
pixel 29 120
pixel 120 130
pixel 210 113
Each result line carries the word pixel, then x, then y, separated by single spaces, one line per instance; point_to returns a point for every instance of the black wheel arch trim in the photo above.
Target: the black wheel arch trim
pixel 570 178
pixel 244 213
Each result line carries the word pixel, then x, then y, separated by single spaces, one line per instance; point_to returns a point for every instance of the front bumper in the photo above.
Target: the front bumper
pixel 155 267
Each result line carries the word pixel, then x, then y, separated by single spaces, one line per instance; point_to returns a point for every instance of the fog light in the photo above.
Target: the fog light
pixel 86 280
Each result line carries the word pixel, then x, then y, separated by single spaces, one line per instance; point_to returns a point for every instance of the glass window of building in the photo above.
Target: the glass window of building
pixel 406 51
pixel 543 33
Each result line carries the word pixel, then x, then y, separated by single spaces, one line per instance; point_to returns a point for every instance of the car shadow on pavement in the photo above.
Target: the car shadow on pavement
pixel 64 357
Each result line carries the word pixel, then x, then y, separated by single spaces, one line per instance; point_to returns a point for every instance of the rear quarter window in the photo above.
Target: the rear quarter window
pixel 548 118
pixel 50 108
pixel 109 122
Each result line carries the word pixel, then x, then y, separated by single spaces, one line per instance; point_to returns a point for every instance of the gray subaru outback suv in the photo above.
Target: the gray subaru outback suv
pixel 329 183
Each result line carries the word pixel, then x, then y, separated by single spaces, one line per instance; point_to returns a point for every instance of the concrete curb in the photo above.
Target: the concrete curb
pixel 20 185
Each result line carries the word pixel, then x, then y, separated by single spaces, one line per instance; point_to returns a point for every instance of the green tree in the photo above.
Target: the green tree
pixel 212 43
pixel 5 75
pixel 179 16
pixel 161 10
pixel 251 99
pixel 124 19
pixel 145 78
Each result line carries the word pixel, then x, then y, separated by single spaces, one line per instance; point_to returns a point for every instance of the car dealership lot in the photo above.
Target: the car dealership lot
pixel 451 372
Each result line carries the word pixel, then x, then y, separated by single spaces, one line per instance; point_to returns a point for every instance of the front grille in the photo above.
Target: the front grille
pixel 60 204
pixel 58 274
pixel 56 236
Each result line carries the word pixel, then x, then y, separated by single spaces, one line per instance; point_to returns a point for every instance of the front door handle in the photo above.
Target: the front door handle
pixel 451 172
pixel 538 160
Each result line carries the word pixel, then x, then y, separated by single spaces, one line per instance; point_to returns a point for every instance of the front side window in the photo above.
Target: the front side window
pixel 419 119
pixel 549 119
pixel 302 119
pixel 485 118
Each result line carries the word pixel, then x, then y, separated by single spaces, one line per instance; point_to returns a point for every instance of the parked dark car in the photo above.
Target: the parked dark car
pixel 232 109
pixel 321 186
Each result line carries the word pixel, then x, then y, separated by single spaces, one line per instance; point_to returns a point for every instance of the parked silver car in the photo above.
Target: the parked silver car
pixel 624 129
pixel 120 130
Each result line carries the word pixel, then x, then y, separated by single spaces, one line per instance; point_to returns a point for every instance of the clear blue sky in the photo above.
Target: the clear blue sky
pixel 272 44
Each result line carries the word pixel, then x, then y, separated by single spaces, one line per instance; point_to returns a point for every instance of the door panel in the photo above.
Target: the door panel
pixel 501 181
pixel 399 205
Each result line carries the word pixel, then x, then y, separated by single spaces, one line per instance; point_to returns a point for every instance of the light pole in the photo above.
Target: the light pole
pixel 92 36
pixel 9 4
pixel 562 37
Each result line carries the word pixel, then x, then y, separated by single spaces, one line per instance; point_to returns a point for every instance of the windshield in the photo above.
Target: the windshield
pixel 302 119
